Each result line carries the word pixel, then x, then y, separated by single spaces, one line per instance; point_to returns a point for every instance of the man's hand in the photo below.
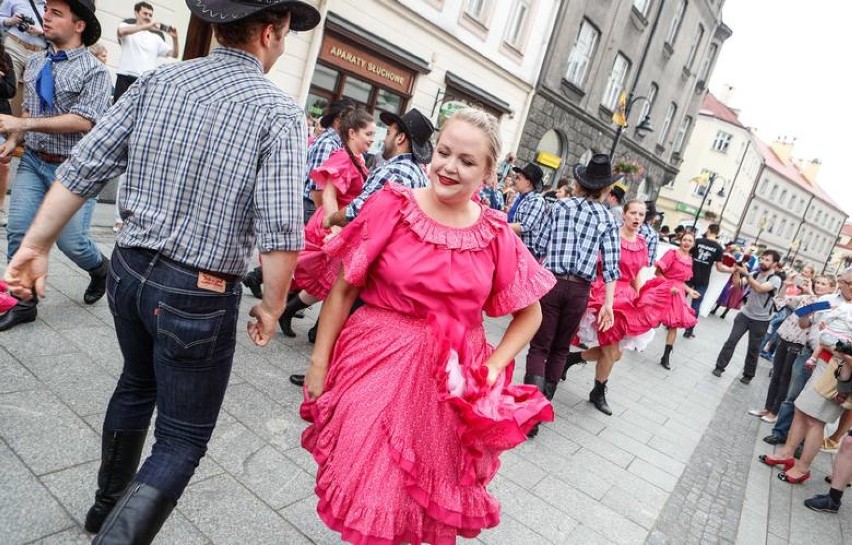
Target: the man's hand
pixel 333 232
pixel 6 149
pixel 9 123
pixel 605 318
pixel 13 20
pixel 741 270
pixel 262 329
pixel 35 30
pixel 27 273
pixel 315 380
pixel 172 32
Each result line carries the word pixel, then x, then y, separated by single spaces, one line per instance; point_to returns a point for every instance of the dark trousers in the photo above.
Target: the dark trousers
pixel 782 368
pixel 696 303
pixel 561 311
pixel 309 207
pixel 122 84
pixel 178 345
pixel 756 329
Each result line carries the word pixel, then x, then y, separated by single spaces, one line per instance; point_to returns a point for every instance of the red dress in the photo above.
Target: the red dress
pixel 316 271
pixel 656 300
pixel 634 256
pixel 407 433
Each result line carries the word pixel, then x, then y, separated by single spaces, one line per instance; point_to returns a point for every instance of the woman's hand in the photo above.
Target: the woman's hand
pixel 315 380
pixel 494 373
pixel 332 232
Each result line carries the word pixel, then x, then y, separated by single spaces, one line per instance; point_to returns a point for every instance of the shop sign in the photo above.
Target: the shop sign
pixel 548 159
pixel 683 207
pixel 365 64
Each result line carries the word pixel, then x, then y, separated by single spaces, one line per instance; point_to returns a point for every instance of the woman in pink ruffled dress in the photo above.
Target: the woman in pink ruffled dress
pixel 409 405
pixel 341 178
pixel 663 298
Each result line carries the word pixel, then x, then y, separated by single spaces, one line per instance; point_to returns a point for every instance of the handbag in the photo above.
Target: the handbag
pixel 826 385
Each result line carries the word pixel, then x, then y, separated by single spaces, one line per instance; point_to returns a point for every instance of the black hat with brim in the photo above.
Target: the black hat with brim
pixel 597 174
pixel 533 173
pixel 417 128
pixel 303 16
pixel 85 10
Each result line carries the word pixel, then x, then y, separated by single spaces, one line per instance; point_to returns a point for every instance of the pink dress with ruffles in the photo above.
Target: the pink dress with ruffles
pixel 407 433
pixel 316 271
pixel 656 300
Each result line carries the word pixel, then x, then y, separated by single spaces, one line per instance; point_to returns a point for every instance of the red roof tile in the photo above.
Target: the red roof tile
pixel 713 106
pixel 847 230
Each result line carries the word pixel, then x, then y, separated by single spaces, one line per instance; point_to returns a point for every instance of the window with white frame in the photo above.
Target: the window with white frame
pixel 667 123
pixel 642 6
pixel 790 230
pixel 680 136
pixel 783 195
pixel 516 31
pixel 722 141
pixel 770 226
pixel 581 56
pixel 648 104
pixel 674 27
pixel 709 58
pixel 792 201
pixel 693 49
pixel 752 213
pixel 477 9
pixel 801 204
pixel 764 185
pixel 774 192
pixel 617 79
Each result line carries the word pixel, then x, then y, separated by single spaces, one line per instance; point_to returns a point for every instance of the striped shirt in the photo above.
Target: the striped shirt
pixel 318 153
pixel 531 215
pixel 214 155
pixel 82 86
pixel 575 233
pixel 402 169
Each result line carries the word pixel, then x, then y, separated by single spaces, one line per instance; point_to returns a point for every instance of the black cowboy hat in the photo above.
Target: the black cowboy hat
pixel 597 174
pixel 85 10
pixel 417 128
pixel 533 173
pixel 333 111
pixel 303 16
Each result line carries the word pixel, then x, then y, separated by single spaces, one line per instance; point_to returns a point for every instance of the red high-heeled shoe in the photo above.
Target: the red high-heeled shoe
pixel 771 461
pixel 794 480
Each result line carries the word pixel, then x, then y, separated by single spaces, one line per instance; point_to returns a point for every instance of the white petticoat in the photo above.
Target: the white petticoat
pixel 588 334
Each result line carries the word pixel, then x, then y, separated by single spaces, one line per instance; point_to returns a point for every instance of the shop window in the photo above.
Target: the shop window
pixel 388 102
pixel 549 156
pixel 358 90
pixel 325 78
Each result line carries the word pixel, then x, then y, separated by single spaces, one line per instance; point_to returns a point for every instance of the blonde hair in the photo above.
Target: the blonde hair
pixel 97 49
pixel 483 121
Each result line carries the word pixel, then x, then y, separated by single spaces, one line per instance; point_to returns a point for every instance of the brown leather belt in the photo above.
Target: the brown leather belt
pixel 232 278
pixel 572 278
pixel 50 158
pixel 24 44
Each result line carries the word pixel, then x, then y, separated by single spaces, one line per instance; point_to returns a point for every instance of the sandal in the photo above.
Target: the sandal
pixel 787 463
pixel 830 446
pixel 794 480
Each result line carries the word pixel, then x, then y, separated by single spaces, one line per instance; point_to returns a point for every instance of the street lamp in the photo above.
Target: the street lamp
pixel 760 231
pixel 642 128
pixel 721 193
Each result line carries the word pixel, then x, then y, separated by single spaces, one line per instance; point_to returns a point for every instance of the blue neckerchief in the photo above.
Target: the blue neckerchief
pixel 515 205
pixel 44 81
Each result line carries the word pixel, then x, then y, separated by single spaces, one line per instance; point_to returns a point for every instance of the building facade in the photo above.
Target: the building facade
pixel 841 258
pixel 392 55
pixel 660 52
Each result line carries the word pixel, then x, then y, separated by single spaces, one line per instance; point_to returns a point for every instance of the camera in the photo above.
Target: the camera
pixel 166 28
pixel 26 22
pixel 844 347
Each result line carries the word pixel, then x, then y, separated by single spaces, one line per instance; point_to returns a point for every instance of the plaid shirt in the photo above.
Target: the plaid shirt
pixel 82 87
pixel 319 151
pixel 531 214
pixel 652 239
pixel 577 231
pixel 214 155
pixel 402 169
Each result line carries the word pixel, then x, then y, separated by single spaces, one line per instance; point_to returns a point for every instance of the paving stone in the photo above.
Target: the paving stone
pixel 511 530
pixel 66 317
pixel 76 380
pixel 232 443
pixel 27 510
pixel 643 452
pixel 534 512
pixel 74 488
pixel 33 340
pixel 263 416
pixel 275 479
pixel 303 515
pixel 303 459
pixel 521 471
pixel 653 474
pixel 14 377
pixel 640 511
pixel 71 536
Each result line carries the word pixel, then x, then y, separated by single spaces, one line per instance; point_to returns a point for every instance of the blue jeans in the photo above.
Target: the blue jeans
pixel 32 181
pixel 178 345
pixel 798 378
pixel 696 302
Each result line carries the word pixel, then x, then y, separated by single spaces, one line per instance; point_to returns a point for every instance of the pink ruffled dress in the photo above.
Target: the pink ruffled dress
pixel 316 271
pixel 656 300
pixel 634 256
pixel 407 433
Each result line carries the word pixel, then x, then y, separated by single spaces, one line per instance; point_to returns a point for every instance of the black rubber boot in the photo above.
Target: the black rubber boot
pixel 598 398
pixel 97 284
pixel 120 454
pixel 550 390
pixel 724 313
pixel 253 281
pixel 293 305
pixel 573 359
pixel 664 361
pixel 312 333
pixel 137 517
pixel 541 384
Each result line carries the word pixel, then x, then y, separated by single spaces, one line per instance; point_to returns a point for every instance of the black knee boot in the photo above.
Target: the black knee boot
pixel 97 284
pixel 573 359
pixel 312 333
pixel 550 390
pixel 253 281
pixel 293 305
pixel 598 397
pixel 120 454
pixel 664 361
pixel 137 517
pixel 724 313
pixel 541 384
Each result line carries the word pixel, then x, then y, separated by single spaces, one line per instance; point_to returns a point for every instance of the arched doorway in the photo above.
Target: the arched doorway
pixel 550 155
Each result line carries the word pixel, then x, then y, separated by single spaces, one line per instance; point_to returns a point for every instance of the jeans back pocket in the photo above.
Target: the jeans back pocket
pixel 188 336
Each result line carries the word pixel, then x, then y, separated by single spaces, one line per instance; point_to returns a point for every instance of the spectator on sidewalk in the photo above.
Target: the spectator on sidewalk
pixel 67 91
pixel 142 43
pixel 706 254
pixel 802 283
pixel 8 88
pixel 174 289
pixel 842 471
pixel 24 38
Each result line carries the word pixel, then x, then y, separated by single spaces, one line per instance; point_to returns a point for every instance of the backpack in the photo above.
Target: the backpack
pixel 771 293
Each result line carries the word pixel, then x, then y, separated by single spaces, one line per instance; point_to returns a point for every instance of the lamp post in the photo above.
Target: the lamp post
pixel 642 129
pixel 710 181
pixel 760 231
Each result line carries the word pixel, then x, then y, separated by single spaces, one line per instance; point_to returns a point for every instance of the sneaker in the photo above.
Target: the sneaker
pixel 717 372
pixel 745 380
pixel 822 503
pixel 830 446
pixel 774 440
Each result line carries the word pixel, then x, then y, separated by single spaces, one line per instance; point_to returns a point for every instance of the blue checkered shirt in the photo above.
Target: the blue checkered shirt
pixel 214 154
pixel 82 87
pixel 652 239
pixel 402 169
pixel 577 231
pixel 531 214
pixel 322 147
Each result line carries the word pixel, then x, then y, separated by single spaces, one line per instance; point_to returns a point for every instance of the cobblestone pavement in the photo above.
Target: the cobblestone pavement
pixel 674 464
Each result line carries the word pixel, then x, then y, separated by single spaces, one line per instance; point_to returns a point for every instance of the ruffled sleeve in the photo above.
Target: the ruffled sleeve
pixel 665 262
pixel 519 280
pixel 337 170
pixel 361 241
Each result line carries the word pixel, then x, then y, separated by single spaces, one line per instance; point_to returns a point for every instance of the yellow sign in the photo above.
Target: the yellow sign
pixel 619 117
pixel 548 159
